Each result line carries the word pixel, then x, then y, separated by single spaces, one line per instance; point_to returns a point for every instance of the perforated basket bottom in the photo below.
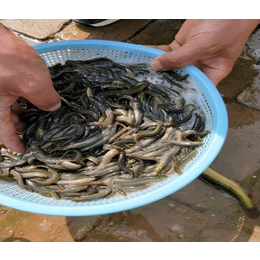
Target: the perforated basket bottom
pixel 14 190
pixel 204 94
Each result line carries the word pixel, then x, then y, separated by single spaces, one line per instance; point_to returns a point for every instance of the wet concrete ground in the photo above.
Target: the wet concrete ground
pixel 198 212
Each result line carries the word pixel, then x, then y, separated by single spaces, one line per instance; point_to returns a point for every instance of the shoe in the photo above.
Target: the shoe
pixel 94 22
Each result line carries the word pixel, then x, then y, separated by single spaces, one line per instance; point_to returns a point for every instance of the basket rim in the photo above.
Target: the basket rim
pixel 216 141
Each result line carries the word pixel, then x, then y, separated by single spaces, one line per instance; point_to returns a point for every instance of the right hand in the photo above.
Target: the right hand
pixel 24 76
pixel 211 45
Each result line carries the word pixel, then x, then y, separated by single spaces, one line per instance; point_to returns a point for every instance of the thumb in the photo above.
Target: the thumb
pixel 176 59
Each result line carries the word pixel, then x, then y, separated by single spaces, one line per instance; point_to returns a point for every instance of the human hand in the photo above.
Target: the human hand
pixel 213 46
pixel 24 76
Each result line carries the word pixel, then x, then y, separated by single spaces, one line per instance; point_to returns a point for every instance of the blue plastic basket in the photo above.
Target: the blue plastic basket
pixel 11 195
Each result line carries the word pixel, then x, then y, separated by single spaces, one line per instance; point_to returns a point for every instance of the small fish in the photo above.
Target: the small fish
pixel 115 127
pixel 219 181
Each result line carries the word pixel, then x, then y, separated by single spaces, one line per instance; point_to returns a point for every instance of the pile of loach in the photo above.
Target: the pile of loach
pixel 116 131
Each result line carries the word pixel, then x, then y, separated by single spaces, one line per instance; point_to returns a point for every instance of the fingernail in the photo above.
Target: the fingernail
pixel 157 65
pixel 55 107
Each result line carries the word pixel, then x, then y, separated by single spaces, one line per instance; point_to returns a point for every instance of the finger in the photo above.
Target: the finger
pixel 165 48
pixel 8 135
pixel 16 108
pixel 185 30
pixel 173 46
pixel 177 58
pixel 18 123
pixel 30 82
pixel 41 93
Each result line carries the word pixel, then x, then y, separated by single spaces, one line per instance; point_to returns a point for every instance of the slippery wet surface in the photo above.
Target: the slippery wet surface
pixel 198 212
